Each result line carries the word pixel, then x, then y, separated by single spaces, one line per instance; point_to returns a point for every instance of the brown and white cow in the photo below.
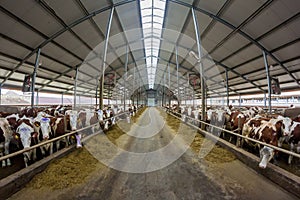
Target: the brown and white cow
pixel 265 131
pixel 42 126
pixel 71 117
pixel 6 135
pixel 28 138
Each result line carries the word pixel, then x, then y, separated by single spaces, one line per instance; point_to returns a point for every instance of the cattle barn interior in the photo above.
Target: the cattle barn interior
pixel 155 99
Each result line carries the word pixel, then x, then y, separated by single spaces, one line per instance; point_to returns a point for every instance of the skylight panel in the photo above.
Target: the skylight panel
pixel 152 13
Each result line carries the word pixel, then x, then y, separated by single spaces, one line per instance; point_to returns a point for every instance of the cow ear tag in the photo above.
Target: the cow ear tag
pixel 36 124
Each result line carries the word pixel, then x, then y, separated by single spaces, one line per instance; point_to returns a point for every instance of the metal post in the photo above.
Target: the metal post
pixel 96 95
pixel 62 98
pixel 104 55
pixel 265 99
pixel 240 101
pixel 268 79
pixel 177 74
pixel 37 98
pixel 133 83
pixel 227 88
pixel 75 88
pixel 203 110
pixel 125 76
pixel 34 75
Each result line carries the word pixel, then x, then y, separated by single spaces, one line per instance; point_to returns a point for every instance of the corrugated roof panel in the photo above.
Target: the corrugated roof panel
pixel 32 13
pixel 275 14
pixel 13 49
pixel 288 52
pixel 282 36
pixel 69 10
pixel 238 11
pixel 86 31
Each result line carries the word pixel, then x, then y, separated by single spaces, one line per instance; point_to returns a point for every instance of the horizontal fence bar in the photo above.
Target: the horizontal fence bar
pixel 236 134
pixel 55 139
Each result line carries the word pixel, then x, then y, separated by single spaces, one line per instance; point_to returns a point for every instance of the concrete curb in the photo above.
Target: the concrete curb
pixel 16 181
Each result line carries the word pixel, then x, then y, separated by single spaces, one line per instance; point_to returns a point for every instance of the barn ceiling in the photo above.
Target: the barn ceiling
pixel 152 38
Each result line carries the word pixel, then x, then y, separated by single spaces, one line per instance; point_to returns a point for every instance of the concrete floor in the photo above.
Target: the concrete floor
pixel 186 178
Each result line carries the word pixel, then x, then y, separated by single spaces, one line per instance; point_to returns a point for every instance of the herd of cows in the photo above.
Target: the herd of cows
pixel 251 122
pixel 32 126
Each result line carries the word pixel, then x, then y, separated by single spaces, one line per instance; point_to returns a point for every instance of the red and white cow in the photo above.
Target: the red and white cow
pixel 42 126
pixel 6 135
pixel 74 124
pixel 264 131
pixel 28 138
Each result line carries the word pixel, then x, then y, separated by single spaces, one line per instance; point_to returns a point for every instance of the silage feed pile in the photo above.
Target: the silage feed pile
pixel 77 167
pixel 216 156
pixel 69 171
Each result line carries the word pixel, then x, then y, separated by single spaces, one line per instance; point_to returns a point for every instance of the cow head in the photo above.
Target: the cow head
pixel 24 130
pixel 73 120
pixel 209 114
pixel 266 154
pixel 286 125
pixel 220 115
pixel 100 115
pixel 45 128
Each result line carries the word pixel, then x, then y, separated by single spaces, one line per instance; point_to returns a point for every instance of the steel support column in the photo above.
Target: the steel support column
pixel 265 100
pixel 75 88
pixel 200 54
pixel 104 55
pixel 62 98
pixel 37 98
pixel 177 75
pixel 227 88
pixel 125 77
pixel 36 65
pixel 96 95
pixel 269 80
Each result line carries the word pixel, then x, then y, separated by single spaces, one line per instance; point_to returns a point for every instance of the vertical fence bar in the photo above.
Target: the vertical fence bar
pixel 269 80
pixel 36 65
pixel 198 39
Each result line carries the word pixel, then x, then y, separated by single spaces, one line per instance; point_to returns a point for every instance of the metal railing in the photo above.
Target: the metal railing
pixel 232 133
